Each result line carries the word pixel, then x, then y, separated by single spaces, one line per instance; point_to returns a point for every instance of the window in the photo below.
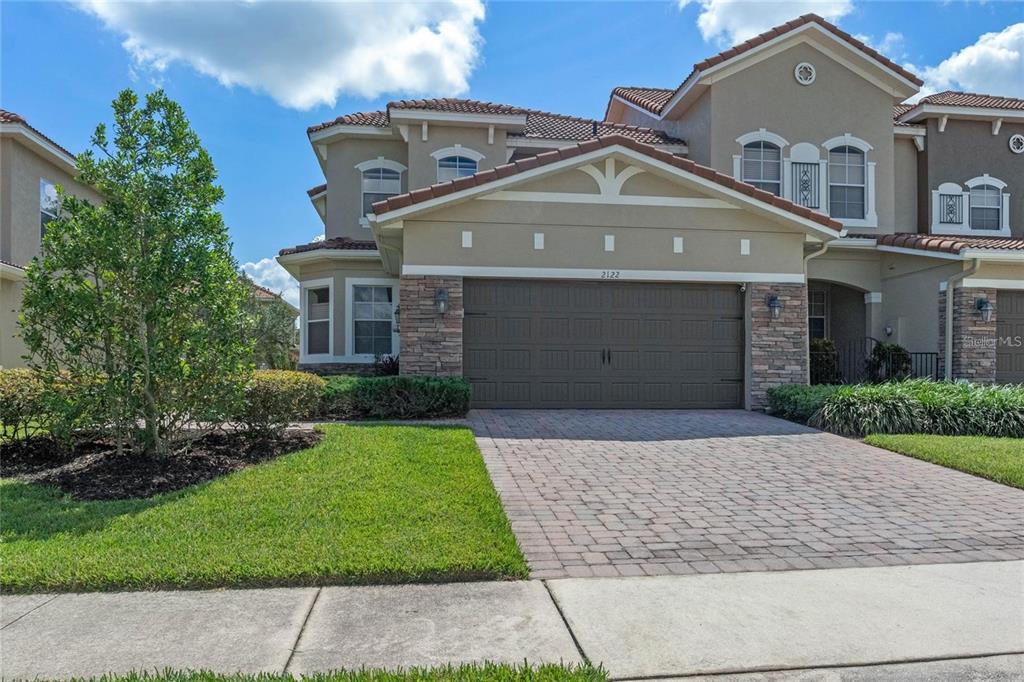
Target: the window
pixel 986 208
pixel 48 203
pixel 318 321
pixel 817 313
pixel 379 184
pixel 762 166
pixel 451 167
pixel 373 315
pixel 847 183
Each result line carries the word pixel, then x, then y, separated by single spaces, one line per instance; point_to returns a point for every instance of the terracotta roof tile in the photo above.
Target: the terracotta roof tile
pixel 13 265
pixel 951 98
pixel 378 119
pixel 944 244
pixel 335 243
pixel 553 156
pixel 655 99
pixel 460 106
pixel 11 117
pixel 313 191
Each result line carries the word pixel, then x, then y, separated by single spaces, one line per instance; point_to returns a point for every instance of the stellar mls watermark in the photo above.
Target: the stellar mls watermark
pixel 988 342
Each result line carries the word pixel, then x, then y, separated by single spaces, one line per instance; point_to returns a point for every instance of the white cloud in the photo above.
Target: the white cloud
pixel 993 65
pixel 892 44
pixel 269 273
pixel 306 53
pixel 728 22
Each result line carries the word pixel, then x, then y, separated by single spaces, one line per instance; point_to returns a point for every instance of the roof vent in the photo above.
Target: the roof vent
pixel 594 125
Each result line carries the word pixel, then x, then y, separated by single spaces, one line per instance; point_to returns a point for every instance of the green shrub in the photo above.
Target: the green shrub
pixel 923 406
pixel 888 362
pixel 22 403
pixel 395 397
pixel 273 398
pixel 798 402
pixel 824 362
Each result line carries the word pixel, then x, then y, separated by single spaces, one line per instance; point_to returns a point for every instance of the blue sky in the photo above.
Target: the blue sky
pixel 253 77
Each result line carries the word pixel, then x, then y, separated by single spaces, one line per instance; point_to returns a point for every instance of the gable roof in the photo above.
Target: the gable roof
pixel 654 100
pixel 13 119
pixel 952 98
pixel 969 104
pixel 332 244
pixel 484 178
pixel 539 124
pixel 953 245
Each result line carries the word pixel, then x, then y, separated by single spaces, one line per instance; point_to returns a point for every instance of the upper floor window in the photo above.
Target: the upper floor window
pixel 379 184
pixel 847 183
pixel 48 203
pixel 451 167
pixel 986 207
pixel 762 166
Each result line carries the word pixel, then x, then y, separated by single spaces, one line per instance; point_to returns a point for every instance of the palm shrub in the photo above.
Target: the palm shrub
pixel 863 409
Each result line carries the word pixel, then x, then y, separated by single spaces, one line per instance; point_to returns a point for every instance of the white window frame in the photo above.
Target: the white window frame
pixel 53 216
pixel 870 218
pixel 826 318
pixel 304 286
pixel 350 326
pixel 457 150
pixel 371 164
pixel 964 228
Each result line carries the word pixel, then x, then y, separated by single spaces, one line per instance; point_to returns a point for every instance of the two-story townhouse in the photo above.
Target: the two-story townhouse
pixel 682 252
pixel 31 167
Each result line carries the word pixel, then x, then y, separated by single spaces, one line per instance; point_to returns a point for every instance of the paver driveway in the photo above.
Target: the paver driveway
pixel 656 492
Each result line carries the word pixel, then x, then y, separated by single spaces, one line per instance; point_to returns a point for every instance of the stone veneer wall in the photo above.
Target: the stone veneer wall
pixel 778 348
pixel 431 344
pixel 974 340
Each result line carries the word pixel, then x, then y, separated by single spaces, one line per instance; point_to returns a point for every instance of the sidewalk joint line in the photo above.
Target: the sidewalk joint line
pixel 821 666
pixel 302 629
pixel 32 610
pixel 565 621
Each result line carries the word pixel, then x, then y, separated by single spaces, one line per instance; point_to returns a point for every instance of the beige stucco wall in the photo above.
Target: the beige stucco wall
pixel 693 126
pixel 1012 272
pixel 344 182
pixel 905 191
pixel 423 167
pixel 910 291
pixel 855 268
pixel 11 346
pixel 766 95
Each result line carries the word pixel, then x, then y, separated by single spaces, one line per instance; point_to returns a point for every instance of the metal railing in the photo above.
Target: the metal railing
pixel 857 362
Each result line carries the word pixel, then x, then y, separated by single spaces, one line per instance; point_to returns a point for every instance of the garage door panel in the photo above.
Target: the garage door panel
pixel 603 344
pixel 1010 336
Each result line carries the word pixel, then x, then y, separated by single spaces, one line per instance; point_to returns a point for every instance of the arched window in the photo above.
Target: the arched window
pixel 847 183
pixel 451 167
pixel 986 207
pixel 762 166
pixel 379 183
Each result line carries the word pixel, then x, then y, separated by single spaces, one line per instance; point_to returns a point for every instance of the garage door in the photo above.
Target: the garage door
pixel 1010 330
pixel 603 344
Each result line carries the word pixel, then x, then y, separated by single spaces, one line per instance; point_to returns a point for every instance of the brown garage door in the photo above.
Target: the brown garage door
pixel 1010 330
pixel 603 344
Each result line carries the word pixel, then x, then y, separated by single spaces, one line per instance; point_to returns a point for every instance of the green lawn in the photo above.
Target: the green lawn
pixel 998 459
pixel 371 503
pixel 487 672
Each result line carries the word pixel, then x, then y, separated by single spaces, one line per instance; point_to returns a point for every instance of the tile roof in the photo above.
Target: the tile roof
pixel 951 98
pixel 335 244
pixel 313 191
pixel 655 99
pixel 11 117
pixel 13 265
pixel 944 244
pixel 898 110
pixel 539 124
pixel 484 177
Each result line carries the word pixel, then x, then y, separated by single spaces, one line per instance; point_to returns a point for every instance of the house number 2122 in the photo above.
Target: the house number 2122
pixel 609 274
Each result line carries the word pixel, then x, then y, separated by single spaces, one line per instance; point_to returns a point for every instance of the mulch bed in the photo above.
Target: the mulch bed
pixel 93 470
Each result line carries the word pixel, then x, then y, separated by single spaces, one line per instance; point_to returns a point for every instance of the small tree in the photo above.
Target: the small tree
pixel 138 299
pixel 274 333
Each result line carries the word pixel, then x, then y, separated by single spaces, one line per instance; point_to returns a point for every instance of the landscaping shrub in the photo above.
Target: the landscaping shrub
pixel 923 406
pixel 888 361
pixel 386 365
pixel 274 398
pixel 797 402
pixel 22 403
pixel 824 362
pixel 396 397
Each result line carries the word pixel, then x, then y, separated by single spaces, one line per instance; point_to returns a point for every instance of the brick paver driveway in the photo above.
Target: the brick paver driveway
pixel 648 493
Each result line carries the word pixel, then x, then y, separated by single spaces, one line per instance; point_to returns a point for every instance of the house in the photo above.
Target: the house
pixel 684 250
pixel 31 167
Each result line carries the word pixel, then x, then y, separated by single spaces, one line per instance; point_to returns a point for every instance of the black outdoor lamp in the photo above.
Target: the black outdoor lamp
pixel 774 304
pixel 441 301
pixel 984 308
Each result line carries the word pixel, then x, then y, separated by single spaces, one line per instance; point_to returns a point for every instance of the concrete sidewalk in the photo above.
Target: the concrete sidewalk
pixel 933 621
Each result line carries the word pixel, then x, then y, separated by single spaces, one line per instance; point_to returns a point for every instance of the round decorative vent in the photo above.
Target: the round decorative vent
pixel 804 73
pixel 1017 144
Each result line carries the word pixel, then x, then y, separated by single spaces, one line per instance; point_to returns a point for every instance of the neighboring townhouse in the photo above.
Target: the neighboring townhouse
pixel 31 167
pixel 682 252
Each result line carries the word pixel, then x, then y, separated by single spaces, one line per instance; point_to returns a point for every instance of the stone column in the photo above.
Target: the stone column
pixel 431 343
pixel 778 348
pixel 974 340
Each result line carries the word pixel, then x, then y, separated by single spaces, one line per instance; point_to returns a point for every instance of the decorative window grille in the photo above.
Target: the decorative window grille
pixel 805 185
pixel 951 207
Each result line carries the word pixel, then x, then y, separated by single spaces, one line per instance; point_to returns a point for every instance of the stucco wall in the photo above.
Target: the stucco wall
pixel 344 182
pixel 11 346
pixel 910 286
pixel 423 167
pixel 905 177
pixel 693 126
pixel 968 149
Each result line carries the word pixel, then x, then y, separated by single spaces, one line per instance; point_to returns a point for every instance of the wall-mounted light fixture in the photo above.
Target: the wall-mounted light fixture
pixel 774 304
pixel 984 308
pixel 441 301
pixel 888 330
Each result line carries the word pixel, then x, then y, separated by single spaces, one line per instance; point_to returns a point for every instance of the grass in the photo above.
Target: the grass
pixel 997 459
pixel 485 672
pixel 370 504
